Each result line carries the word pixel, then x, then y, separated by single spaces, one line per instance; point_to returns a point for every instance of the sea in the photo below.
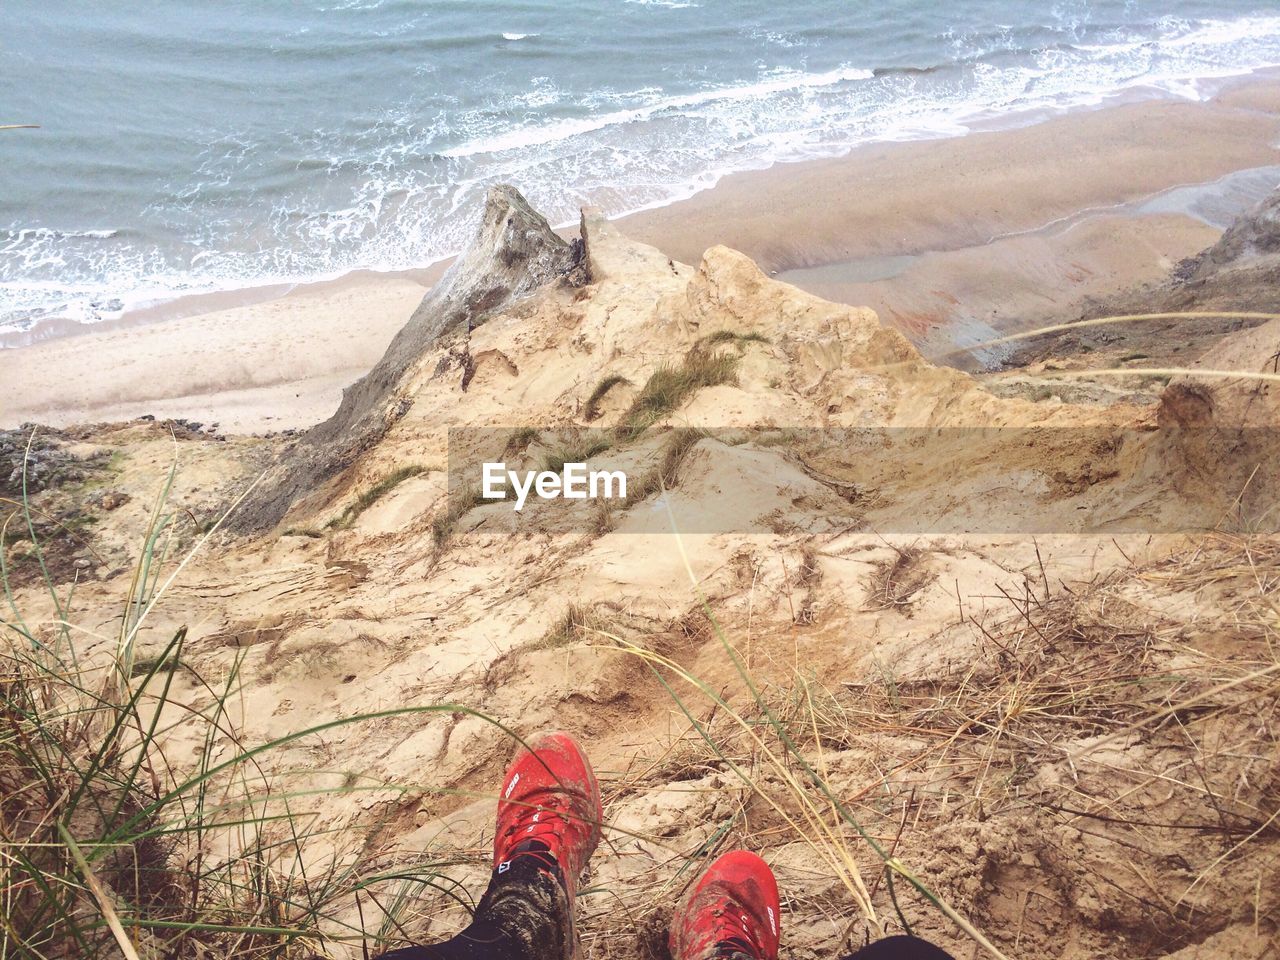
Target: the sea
pixel 190 146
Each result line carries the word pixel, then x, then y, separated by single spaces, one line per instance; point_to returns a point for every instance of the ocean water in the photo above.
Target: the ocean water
pixel 188 146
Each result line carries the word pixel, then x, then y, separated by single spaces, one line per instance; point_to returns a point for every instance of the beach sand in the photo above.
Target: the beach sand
pixel 958 241
pixel 949 240
pixel 264 366
pixel 897 198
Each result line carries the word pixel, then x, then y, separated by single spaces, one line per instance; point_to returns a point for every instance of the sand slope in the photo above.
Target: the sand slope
pixel 1000 711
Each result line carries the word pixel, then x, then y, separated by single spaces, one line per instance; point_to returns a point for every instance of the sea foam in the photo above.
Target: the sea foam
pixel 395 184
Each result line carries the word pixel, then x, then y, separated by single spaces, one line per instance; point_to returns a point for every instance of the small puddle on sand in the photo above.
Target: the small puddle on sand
pixel 1220 202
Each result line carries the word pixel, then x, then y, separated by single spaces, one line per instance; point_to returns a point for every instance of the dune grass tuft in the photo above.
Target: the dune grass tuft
pixel 896 581
pixel 666 473
pixel 117 841
pixel 372 495
pixel 579 447
pixel 591 409
pixel 576 624
pixel 733 336
pixel 457 505
pixel 520 440
pixel 670 386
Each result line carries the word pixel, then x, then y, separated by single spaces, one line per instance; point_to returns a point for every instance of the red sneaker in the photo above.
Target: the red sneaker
pixel 550 806
pixel 734 906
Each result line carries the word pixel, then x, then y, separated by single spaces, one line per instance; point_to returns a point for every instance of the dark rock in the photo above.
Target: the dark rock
pixel 1254 234
pixel 514 253
pixel 41 460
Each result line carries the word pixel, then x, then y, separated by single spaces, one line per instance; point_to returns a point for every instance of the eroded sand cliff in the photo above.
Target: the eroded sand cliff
pixel 1035 663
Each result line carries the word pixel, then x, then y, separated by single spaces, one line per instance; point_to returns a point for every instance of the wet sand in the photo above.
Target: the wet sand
pixel 937 195
pixel 949 240
pixel 263 366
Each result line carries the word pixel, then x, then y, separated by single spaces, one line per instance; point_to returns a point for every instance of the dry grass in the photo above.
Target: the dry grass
pixel 114 843
pixel 577 447
pixel 669 387
pixel 732 336
pixel 1099 760
pixel 807 578
pixel 1156 733
pixel 1111 769
pixel 520 440
pixel 576 624
pixel 457 505
pixel 602 517
pixel 666 473
pixel 368 497
pixel 898 580
pixel 591 409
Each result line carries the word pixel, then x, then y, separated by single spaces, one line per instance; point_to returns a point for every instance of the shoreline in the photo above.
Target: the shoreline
pixel 194 304
pixel 213 301
pixel 265 366
pixel 948 239
pixel 1155 145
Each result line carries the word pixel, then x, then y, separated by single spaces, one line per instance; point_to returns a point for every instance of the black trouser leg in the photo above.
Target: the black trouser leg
pixel 524 915
pixel 890 948
pixel 900 948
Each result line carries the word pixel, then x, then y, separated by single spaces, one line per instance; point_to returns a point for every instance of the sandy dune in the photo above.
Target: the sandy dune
pixel 1037 728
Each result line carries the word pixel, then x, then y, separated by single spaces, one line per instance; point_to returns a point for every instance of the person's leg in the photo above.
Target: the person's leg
pixel 732 913
pixel 548 825
pixel 524 915
pixel 900 948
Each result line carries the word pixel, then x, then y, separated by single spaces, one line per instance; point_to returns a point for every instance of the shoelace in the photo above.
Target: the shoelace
pixel 732 925
pixel 537 820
